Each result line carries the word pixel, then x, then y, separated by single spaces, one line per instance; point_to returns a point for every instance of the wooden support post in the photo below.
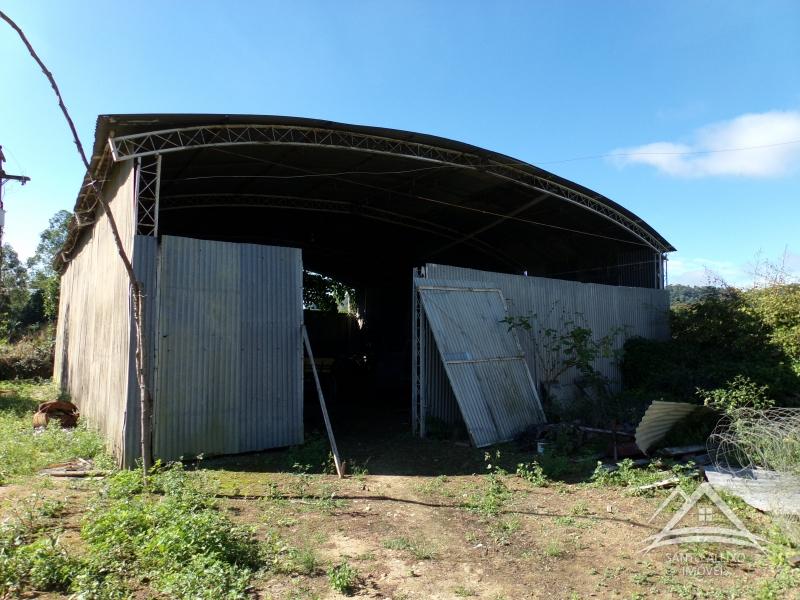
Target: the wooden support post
pixel 336 459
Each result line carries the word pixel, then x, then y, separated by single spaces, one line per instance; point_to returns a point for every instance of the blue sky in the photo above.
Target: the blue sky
pixel 660 83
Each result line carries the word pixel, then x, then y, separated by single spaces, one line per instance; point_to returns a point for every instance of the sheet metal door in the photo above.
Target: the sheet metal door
pixel 229 374
pixel 484 363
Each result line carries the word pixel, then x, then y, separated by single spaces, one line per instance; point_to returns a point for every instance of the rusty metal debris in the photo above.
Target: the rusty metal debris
pixel 66 413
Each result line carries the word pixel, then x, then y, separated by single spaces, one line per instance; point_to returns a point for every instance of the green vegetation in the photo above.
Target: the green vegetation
pixel 533 473
pixel 29 305
pixel 417 548
pixel 492 497
pixel 24 451
pixel 343 578
pixel 626 475
pixel 169 538
pixel 723 341
pixel 554 550
pixel 689 294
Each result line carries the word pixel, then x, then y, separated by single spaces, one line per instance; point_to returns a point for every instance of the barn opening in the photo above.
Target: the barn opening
pixel 205 199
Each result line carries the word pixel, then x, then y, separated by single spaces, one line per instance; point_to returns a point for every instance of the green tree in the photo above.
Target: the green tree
pixel 13 292
pixel 44 281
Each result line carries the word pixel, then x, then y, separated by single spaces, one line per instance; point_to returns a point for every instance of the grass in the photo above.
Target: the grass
pixel 170 540
pixel 464 592
pixel 554 550
pixel 418 549
pixel 24 451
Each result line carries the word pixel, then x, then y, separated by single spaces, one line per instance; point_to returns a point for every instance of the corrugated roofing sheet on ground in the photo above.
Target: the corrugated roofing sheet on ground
pixel 484 363
pixel 658 419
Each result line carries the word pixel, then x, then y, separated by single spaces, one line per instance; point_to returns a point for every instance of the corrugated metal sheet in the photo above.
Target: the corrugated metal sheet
pixel 553 302
pixel 145 265
pixel 93 338
pixel 767 491
pixel 483 361
pixel 658 419
pixel 229 357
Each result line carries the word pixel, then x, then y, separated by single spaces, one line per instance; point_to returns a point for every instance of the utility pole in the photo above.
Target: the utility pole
pixel 3 178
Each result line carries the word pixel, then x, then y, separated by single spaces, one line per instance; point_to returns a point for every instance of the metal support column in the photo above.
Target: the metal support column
pixel 148 186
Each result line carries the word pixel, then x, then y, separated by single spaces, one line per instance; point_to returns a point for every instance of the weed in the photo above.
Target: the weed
pixel 492 498
pixel 417 548
pixel 565 521
pixel 343 578
pixel 435 487
pixel 502 530
pixel 181 542
pixel 627 475
pixel 464 592
pixel 554 550
pixel 533 473
pixel 580 509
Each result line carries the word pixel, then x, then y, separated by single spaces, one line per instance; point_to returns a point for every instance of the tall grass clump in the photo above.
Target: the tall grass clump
pixel 24 451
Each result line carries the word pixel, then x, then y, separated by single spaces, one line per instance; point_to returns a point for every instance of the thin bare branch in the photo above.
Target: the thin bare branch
pixel 136 291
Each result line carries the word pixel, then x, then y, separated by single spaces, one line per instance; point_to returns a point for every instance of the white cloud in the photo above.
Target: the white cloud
pixel 703 271
pixel 759 137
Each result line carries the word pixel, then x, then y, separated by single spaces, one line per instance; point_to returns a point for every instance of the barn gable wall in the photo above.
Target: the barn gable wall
pixel 93 338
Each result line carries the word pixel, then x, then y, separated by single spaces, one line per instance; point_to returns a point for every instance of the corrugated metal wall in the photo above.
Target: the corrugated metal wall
pixel 602 308
pixel 640 312
pixel 145 265
pixel 229 362
pixel 93 339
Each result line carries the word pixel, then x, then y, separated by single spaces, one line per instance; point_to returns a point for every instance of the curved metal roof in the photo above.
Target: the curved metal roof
pixel 125 137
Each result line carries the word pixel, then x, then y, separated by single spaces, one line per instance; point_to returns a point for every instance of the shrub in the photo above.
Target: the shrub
pixel 343 578
pixel 31 356
pixel 754 334
pixel 739 392
pixel 533 473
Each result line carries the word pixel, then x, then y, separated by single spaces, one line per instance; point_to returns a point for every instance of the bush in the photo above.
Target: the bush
pixel 31 356
pixel 343 578
pixel 740 392
pixel 753 334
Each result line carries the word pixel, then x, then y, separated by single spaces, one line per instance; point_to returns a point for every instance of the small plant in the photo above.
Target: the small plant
pixel 463 591
pixel 533 473
pixel 492 498
pixel 554 550
pixel 739 392
pixel 580 509
pixel 418 549
pixel 343 578
pixel 570 345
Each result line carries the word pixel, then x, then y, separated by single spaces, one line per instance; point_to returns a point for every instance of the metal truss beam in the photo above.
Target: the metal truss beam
pixel 148 185
pixel 175 140
pixel 186 201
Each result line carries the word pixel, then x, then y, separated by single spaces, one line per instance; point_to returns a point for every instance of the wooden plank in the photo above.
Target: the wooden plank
pixel 336 459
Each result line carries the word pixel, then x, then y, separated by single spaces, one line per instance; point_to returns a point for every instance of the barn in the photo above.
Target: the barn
pixel 224 218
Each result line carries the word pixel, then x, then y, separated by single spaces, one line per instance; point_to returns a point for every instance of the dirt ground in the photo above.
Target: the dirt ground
pixel 405 526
